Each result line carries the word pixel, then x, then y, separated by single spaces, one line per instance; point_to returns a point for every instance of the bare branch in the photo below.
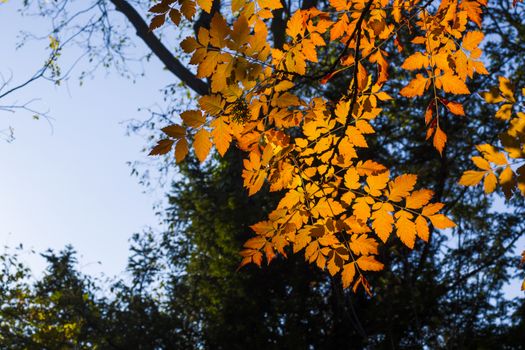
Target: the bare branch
pixel 151 40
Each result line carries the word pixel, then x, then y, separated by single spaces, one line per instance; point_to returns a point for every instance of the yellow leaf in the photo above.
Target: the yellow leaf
pixel 401 186
pixel 202 144
pixel 212 104
pixel 422 228
pixel 362 245
pixel 369 168
pixel 406 229
pixel 440 138
pixel 194 119
pixel 352 179
pixel 376 183
pixel 455 108
pixel 432 208
pixel 341 111
pixel 492 155
pixel 295 25
pixel 382 221
pixel 221 134
pixel 205 5
pixel 453 84
pixel 369 263
pixel 481 163
pixel 361 209
pixel 505 111
pixel 270 4
pixel 489 184
pixel 418 199
pixel 415 61
pixel 472 39
pixel 348 274
pixel 506 88
pixel 356 137
pixel 441 222
pixel 181 150
pixel 471 177
pixel 256 242
pixel 416 87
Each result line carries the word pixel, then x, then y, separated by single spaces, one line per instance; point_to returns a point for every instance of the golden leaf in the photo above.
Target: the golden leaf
pixel 406 229
pixel 352 179
pixel 401 186
pixel 369 263
pixel 416 87
pixel 440 138
pixel 472 39
pixel 348 274
pixel 382 221
pixel 192 118
pixel 202 144
pixel 453 84
pixel 471 177
pixel 455 108
pixel 376 183
pixel 481 163
pixel 221 135
pixel 205 5
pixel 422 228
pixel 362 245
pixel 489 184
pixel 212 104
pixel 418 199
pixel 415 61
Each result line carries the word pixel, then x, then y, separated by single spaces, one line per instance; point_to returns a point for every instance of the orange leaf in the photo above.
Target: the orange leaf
pixel 471 177
pixel 401 186
pixel 202 144
pixel 440 138
pixel 440 221
pixel 348 274
pixel 369 263
pixel 416 87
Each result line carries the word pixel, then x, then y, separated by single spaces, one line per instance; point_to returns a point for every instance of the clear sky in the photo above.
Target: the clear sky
pixel 70 183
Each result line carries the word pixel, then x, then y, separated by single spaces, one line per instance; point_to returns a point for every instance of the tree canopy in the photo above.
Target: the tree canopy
pixel 343 133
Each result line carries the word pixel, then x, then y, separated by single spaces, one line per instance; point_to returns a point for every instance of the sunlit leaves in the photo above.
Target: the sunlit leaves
pixel 337 207
pixel 500 164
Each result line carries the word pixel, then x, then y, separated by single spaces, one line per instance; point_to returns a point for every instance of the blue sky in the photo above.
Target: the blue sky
pixel 70 183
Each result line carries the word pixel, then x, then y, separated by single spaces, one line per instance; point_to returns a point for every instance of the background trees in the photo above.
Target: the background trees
pixel 185 291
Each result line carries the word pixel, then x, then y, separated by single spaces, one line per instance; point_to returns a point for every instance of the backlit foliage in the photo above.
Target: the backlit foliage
pixel 504 162
pixel 336 207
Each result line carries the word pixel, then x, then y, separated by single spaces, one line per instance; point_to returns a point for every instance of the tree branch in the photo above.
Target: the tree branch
pixel 156 46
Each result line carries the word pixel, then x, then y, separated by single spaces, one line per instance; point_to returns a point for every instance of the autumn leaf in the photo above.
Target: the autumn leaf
pixel 401 187
pixel 162 147
pixel 202 144
pixel 416 87
pixel 369 263
pixel 471 177
pixel 181 150
pixel 440 138
pixel 348 274
pixel 440 221
pixel 192 118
